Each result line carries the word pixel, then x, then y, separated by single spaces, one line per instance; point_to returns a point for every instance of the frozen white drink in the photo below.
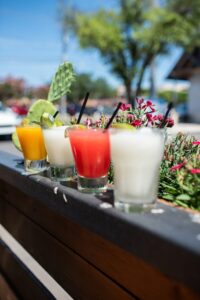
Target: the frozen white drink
pixel 59 152
pixel 136 156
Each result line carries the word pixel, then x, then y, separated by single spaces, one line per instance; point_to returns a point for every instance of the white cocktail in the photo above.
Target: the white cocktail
pixel 59 153
pixel 136 156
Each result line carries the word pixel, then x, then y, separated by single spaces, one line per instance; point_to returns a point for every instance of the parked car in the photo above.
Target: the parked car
pixel 8 120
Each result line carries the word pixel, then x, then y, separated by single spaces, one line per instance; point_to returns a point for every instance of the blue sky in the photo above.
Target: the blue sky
pixel 30 42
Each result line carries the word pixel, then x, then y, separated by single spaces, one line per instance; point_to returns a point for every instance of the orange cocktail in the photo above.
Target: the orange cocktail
pixel 32 144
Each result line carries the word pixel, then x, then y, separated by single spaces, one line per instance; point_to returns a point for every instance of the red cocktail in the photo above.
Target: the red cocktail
pixel 91 150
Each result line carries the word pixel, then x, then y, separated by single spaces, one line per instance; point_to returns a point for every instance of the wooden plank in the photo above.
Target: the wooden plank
pixel 23 282
pixel 133 274
pixel 80 279
pixel 6 293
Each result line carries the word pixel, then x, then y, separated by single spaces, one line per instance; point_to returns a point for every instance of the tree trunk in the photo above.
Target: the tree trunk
pixel 139 83
pixel 129 96
pixel 146 62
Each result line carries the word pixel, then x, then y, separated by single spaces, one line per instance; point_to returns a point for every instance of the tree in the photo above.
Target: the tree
pixel 12 87
pixel 98 88
pixel 111 33
pixel 130 37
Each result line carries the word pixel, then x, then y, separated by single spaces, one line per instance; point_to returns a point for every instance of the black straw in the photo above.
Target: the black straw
pixel 56 113
pixel 83 107
pixel 169 107
pixel 113 115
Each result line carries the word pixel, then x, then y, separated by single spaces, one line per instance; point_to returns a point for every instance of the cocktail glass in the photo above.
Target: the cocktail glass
pixel 59 154
pixel 91 150
pixel 136 156
pixel 33 148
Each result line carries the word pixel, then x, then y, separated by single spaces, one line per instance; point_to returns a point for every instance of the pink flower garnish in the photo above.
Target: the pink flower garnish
pixel 125 106
pixel 139 101
pixel 196 143
pixel 149 103
pixel 176 167
pixel 136 123
pixel 195 171
pixel 130 117
pixel 159 117
pixel 152 109
pixel 149 117
pixel 170 122
pixel 88 122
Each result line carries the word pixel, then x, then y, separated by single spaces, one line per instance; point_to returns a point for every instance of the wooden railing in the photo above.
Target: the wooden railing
pixel 92 250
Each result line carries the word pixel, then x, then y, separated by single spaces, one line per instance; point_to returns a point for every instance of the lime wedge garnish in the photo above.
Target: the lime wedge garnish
pixel 39 108
pixel 78 126
pixel 47 120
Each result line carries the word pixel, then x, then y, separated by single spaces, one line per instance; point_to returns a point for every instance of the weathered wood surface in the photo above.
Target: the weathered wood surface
pixel 24 284
pixel 98 253
pixel 6 293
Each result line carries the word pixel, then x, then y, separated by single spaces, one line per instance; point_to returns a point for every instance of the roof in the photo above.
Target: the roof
pixel 187 65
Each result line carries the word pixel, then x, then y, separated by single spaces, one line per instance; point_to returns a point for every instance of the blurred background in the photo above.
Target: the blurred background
pixel 120 50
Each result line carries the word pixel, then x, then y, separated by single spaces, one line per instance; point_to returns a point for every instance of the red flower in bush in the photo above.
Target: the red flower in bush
pixel 195 171
pixel 136 123
pixel 196 143
pixel 176 167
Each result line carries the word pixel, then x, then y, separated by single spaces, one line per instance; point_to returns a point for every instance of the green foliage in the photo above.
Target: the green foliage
pixel 101 89
pixel 176 97
pixel 190 13
pixel 162 28
pixel 61 81
pixel 98 88
pixel 178 183
pixel 92 33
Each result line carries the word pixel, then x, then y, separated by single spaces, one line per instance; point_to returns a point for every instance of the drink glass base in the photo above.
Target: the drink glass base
pixel 92 185
pixel 35 166
pixel 58 173
pixel 133 207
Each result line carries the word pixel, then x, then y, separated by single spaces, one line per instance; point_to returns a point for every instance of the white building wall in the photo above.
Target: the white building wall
pixel 194 98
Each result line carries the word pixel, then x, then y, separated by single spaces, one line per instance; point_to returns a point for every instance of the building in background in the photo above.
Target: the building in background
pixel 188 68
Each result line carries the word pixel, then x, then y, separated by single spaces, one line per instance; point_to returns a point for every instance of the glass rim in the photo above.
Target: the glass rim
pixel 143 130
pixel 56 127
pixel 28 125
pixel 74 128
